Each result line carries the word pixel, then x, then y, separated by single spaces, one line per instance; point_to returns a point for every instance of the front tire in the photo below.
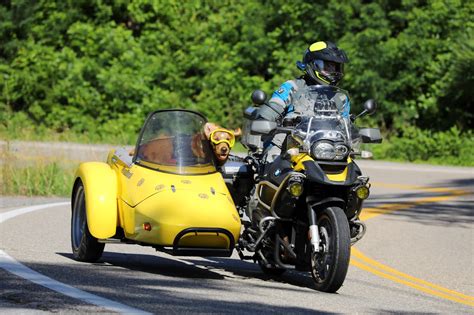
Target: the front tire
pixel 329 266
pixel 85 247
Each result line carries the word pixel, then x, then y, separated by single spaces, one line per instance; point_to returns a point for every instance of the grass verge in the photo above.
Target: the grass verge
pixel 43 178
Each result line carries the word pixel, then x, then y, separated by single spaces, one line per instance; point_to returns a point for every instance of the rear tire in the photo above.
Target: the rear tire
pixel 85 247
pixel 329 267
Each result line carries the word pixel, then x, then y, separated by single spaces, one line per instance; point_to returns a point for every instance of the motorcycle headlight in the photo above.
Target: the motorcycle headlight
pixel 323 151
pixel 328 151
pixel 341 151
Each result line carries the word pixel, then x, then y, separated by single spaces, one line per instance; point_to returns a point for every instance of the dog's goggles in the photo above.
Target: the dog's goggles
pixel 216 141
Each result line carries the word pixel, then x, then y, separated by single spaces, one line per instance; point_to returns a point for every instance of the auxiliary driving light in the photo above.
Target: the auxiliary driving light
pixel 295 189
pixel 362 192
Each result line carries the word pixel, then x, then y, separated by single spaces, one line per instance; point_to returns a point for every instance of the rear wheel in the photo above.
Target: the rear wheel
pixel 329 266
pixel 85 247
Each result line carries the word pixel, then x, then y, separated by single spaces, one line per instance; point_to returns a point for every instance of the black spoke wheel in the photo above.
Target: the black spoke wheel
pixel 329 266
pixel 85 247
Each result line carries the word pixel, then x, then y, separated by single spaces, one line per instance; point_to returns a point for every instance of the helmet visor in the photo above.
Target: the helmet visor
pixel 328 67
pixel 329 71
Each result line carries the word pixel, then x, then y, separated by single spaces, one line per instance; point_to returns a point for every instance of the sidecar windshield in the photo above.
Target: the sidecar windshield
pixel 173 141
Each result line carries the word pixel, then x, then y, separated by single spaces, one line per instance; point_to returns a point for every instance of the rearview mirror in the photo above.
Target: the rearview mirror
pixel 259 97
pixel 370 107
pixel 262 127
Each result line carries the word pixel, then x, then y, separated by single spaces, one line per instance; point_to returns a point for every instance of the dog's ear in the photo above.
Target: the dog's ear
pixel 237 132
pixel 196 145
pixel 208 128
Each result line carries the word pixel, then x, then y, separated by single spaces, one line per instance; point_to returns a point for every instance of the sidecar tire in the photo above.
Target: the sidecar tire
pixel 335 234
pixel 85 247
pixel 273 271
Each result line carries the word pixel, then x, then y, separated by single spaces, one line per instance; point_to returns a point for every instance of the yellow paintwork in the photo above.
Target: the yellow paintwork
pixel 171 212
pixel 139 182
pixel 100 189
pixel 190 170
pixel 148 196
pixel 299 159
pixel 341 177
pixel 169 202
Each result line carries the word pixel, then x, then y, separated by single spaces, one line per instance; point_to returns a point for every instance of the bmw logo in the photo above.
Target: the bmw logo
pixel 277 172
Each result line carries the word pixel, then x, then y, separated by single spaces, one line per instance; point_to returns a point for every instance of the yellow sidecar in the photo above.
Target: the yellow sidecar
pixel 166 194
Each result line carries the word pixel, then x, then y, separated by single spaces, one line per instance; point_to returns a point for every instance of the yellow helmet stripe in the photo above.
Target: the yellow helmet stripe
pixel 318 46
pixel 320 78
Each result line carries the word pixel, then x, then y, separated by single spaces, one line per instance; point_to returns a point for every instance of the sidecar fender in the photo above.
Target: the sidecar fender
pixel 100 189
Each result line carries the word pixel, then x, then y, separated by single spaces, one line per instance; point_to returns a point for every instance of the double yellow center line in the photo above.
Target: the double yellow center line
pixel 363 262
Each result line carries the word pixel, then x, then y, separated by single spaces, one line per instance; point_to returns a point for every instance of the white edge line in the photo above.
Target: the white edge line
pixel 14 213
pixel 11 265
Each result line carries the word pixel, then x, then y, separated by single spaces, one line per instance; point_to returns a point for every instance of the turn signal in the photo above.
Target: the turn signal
pixel 362 192
pixel 295 189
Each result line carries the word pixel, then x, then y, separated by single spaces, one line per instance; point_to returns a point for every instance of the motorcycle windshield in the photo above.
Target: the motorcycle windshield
pixel 315 129
pixel 173 141
pixel 328 119
pixel 329 101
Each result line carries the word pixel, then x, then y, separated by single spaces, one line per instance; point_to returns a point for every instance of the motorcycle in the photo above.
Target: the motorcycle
pixel 300 211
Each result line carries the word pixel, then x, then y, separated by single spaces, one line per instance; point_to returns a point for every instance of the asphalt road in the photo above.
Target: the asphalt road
pixel 417 257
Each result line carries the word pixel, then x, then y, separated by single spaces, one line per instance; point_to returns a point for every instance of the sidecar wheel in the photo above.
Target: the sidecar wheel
pixel 329 267
pixel 85 247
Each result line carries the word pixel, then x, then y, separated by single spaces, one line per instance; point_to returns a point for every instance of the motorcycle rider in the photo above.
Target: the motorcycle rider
pixel 323 64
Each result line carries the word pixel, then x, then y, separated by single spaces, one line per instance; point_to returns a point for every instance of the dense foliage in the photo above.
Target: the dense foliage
pixel 99 66
pixel 442 147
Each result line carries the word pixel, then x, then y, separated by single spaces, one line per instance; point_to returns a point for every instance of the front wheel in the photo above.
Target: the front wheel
pixel 329 266
pixel 85 247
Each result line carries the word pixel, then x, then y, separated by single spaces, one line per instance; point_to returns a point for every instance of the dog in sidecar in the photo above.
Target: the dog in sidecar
pixel 168 194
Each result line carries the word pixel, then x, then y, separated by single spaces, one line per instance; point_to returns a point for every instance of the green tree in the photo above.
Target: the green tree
pixel 101 66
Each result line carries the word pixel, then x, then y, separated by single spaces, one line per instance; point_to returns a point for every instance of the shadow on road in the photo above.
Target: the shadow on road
pixel 457 183
pixel 250 270
pixel 163 285
pixel 199 269
pixel 459 214
pixel 458 210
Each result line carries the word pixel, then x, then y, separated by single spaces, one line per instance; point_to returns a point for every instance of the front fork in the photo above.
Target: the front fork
pixel 313 230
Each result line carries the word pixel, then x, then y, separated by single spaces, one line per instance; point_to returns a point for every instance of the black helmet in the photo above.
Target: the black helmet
pixel 324 63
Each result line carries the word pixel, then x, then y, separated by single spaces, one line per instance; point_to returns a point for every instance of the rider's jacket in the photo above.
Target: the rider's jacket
pixel 293 97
